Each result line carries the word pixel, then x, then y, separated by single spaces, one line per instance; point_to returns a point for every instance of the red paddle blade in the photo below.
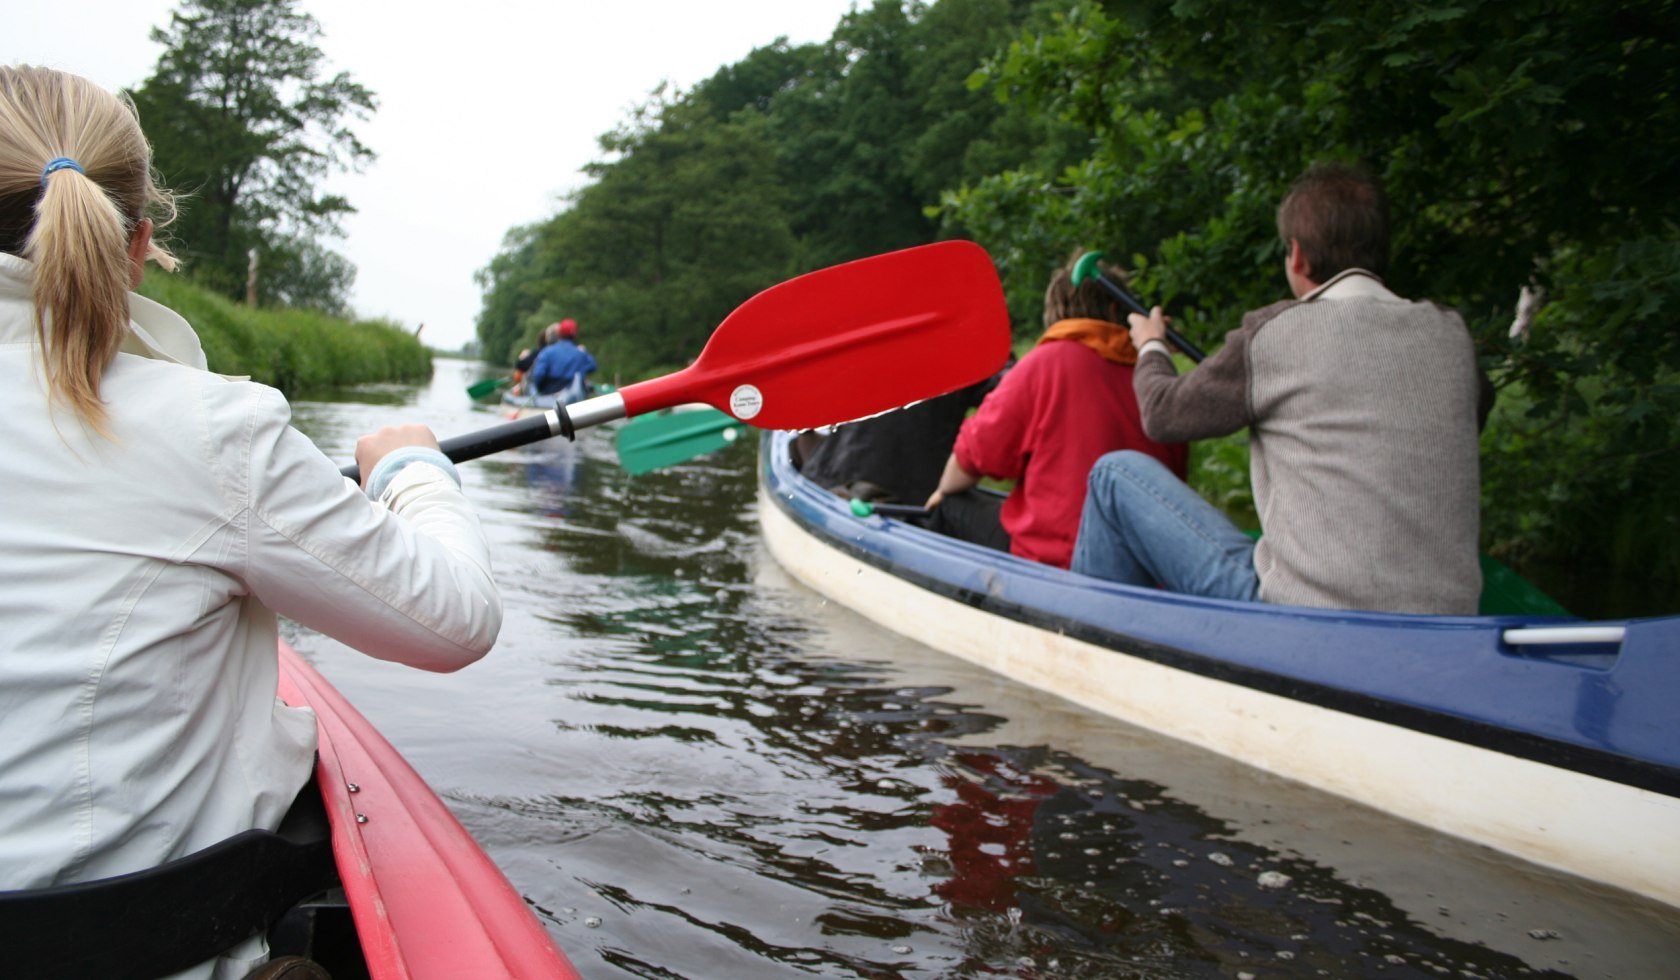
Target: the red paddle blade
pixel 848 341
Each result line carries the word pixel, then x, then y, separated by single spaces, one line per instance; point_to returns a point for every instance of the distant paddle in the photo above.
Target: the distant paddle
pixel 1086 268
pixel 664 439
pixel 834 345
pixel 487 387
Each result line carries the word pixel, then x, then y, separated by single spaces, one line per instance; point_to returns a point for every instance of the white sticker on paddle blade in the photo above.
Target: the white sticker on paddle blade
pixel 745 402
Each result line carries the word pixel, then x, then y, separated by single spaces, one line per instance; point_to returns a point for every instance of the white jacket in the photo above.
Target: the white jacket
pixel 138 719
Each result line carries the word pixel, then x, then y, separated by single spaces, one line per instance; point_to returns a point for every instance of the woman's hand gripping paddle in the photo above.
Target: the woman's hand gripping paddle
pixel 1086 268
pixel 834 345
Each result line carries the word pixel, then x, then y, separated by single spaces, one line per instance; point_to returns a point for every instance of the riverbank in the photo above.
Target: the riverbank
pixel 293 350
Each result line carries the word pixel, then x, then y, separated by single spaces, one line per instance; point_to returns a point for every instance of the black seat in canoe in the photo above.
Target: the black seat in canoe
pixel 155 922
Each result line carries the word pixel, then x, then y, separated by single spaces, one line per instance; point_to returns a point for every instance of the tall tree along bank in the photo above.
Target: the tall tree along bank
pixel 246 123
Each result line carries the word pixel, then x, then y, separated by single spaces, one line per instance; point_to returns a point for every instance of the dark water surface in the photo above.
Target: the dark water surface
pixel 692 766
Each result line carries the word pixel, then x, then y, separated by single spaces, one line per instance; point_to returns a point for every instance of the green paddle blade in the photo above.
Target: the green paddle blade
pixel 652 441
pixel 489 386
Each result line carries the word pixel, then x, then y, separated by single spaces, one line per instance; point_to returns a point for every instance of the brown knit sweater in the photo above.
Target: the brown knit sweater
pixel 1363 411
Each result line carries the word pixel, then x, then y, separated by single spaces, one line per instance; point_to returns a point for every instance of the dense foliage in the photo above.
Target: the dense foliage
pixel 794 158
pixel 294 350
pixel 1523 143
pixel 245 124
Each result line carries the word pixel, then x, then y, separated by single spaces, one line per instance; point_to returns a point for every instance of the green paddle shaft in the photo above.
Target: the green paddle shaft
pixel 1086 268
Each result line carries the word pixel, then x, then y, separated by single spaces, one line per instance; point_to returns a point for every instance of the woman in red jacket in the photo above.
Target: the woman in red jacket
pixel 1066 403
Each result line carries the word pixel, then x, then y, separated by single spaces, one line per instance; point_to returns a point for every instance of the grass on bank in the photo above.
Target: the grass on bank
pixel 292 350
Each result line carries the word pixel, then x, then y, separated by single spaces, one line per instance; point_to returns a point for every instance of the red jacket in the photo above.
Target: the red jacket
pixel 1051 417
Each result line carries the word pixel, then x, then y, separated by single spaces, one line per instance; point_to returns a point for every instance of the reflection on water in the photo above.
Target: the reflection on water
pixel 387 395
pixel 692 767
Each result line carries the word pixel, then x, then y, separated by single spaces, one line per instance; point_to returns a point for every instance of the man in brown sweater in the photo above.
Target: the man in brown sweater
pixel 1363 411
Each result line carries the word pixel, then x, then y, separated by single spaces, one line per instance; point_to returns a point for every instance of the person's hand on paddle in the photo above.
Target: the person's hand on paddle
pixel 375 446
pixel 1147 328
pixel 955 479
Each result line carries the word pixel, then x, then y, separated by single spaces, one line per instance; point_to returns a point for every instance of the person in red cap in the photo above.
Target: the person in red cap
pixel 563 366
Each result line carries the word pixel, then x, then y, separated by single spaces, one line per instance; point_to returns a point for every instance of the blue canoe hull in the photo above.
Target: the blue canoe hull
pixel 541 403
pixel 1396 711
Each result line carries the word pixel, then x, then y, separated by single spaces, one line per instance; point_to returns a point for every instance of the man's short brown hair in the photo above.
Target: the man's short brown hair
pixel 1340 216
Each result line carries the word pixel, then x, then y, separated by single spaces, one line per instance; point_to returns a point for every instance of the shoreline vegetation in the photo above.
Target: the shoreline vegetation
pixel 293 350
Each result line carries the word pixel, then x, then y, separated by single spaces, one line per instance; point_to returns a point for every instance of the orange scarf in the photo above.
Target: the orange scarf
pixel 1111 340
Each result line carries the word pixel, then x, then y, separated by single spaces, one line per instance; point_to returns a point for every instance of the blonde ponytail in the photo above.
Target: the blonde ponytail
pixel 80 220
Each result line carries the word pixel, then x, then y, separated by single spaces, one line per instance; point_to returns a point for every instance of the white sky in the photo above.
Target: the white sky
pixel 487 110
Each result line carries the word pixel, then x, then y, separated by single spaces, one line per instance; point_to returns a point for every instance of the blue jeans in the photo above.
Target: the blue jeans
pixel 1143 526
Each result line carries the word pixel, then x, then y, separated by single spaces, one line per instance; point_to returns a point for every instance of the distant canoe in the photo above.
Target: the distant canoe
pixel 1546 737
pixel 522 405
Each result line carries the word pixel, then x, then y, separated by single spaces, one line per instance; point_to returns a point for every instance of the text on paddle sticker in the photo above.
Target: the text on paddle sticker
pixel 745 402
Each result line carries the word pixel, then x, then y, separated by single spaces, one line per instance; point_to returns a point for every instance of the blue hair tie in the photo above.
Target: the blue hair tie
pixel 60 163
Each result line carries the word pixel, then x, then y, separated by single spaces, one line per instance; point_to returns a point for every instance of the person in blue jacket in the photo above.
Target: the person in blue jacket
pixel 563 366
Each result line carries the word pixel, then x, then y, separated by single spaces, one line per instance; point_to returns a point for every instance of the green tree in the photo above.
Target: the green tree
pixel 297 272
pixel 684 221
pixel 844 162
pixel 881 121
pixel 512 289
pixel 245 121
pixel 848 144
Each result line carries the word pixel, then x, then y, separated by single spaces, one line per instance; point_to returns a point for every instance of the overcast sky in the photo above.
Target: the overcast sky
pixel 487 110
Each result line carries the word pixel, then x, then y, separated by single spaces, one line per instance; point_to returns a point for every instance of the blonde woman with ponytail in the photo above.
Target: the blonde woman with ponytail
pixel 154 519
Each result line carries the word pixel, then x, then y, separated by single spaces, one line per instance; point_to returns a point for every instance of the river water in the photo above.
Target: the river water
pixel 692 766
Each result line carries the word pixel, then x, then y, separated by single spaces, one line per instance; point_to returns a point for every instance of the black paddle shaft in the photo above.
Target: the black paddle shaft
pixel 508 435
pixel 899 510
pixel 1190 350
